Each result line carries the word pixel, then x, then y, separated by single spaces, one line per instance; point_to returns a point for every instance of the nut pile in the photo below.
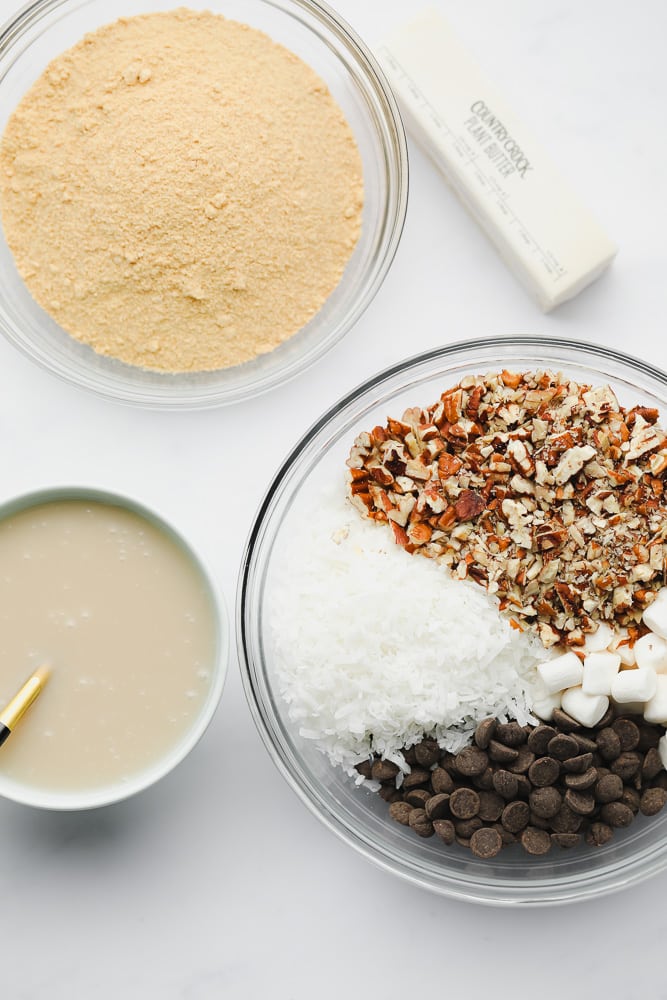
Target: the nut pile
pixel 547 492
pixel 545 785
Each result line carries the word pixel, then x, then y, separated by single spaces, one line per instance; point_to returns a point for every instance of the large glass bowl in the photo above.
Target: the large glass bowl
pixel 44 29
pixel 360 818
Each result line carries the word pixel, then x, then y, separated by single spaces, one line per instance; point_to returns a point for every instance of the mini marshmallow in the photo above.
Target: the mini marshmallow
pixel 662 750
pixel 634 685
pixel 655 615
pixel 655 710
pixel 596 641
pixel 600 669
pixel 544 705
pixel 562 672
pixel 586 709
pixel 621 644
pixel 651 653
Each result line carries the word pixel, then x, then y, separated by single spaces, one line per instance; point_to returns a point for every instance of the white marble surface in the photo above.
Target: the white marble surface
pixel 218 882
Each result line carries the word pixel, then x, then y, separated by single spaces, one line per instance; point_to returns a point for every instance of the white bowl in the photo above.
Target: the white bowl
pixel 105 794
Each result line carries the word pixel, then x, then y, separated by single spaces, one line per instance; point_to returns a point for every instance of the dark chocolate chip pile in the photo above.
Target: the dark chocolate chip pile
pixel 536 785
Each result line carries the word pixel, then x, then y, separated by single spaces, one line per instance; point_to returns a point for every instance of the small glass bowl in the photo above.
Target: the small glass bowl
pixel 359 817
pixel 44 29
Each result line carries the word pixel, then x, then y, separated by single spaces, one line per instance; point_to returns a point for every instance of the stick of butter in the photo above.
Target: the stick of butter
pixel 506 181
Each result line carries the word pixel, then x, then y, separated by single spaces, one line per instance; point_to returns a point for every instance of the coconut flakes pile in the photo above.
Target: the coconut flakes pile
pixel 375 649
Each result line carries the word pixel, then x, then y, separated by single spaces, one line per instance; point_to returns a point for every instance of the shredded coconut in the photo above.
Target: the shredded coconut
pixel 375 649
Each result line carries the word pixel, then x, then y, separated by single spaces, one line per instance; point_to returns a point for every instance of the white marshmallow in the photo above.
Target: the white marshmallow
pixel 599 672
pixel 596 641
pixel 620 644
pixel 655 615
pixel 627 654
pixel 586 709
pixel 634 685
pixel 562 672
pixel 655 710
pixel 651 653
pixel 543 706
pixel 662 750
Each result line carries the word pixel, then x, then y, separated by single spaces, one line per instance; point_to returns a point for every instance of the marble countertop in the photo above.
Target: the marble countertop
pixel 217 882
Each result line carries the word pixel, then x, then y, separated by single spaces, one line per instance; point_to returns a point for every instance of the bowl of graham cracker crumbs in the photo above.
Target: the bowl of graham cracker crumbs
pixel 195 205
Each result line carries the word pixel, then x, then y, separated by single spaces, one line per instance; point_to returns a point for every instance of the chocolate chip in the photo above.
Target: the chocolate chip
pixel 410 756
pixel 580 782
pixel 608 788
pixel 627 764
pixel 562 747
pixel 445 830
pixel 585 743
pixel 484 781
pixel 437 807
pixel 484 732
pixel 400 811
pixel 466 827
pixel 545 802
pixel 652 801
pixel 511 734
pixel 579 764
pixel 364 767
pixel 523 761
pixel 565 839
pixel 564 721
pixel 607 718
pixel 539 821
pixel 538 740
pixel 627 732
pixel 491 805
pixel 631 798
pixel 544 771
pixel 599 834
pixel 582 803
pixel 390 793
pixel 502 754
pixel 534 841
pixel 616 814
pixel 486 843
pixel 427 753
pixel 417 797
pixel 463 842
pixel 566 821
pixel 652 764
pixel 441 781
pixel 505 835
pixel 515 816
pixel 464 803
pixel 416 778
pixel 384 770
pixel 471 761
pixel 505 784
pixel 608 744
pixel 420 823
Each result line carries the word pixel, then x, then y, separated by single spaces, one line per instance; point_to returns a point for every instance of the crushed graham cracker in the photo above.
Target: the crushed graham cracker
pixel 180 192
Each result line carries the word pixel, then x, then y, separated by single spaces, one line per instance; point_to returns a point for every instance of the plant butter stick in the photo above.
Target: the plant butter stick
pixel 503 177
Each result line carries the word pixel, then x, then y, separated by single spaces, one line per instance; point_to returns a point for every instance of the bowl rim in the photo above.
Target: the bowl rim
pixel 113 379
pixel 82 799
pixel 538 892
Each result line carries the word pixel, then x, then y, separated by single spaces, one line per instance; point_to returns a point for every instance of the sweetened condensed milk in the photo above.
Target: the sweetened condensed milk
pixel 124 617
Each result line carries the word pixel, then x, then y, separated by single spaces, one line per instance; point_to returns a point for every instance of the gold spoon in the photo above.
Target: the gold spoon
pixel 15 709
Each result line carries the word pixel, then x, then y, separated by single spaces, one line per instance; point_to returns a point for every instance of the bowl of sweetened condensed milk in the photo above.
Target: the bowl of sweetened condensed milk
pixel 114 606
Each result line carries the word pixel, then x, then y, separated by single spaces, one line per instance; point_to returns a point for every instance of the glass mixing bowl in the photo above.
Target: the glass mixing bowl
pixel 359 817
pixel 313 31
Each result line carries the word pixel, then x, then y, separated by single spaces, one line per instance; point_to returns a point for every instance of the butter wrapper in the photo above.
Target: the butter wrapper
pixel 507 182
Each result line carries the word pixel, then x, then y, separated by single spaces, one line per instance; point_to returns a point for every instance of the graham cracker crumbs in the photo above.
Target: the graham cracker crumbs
pixel 180 192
